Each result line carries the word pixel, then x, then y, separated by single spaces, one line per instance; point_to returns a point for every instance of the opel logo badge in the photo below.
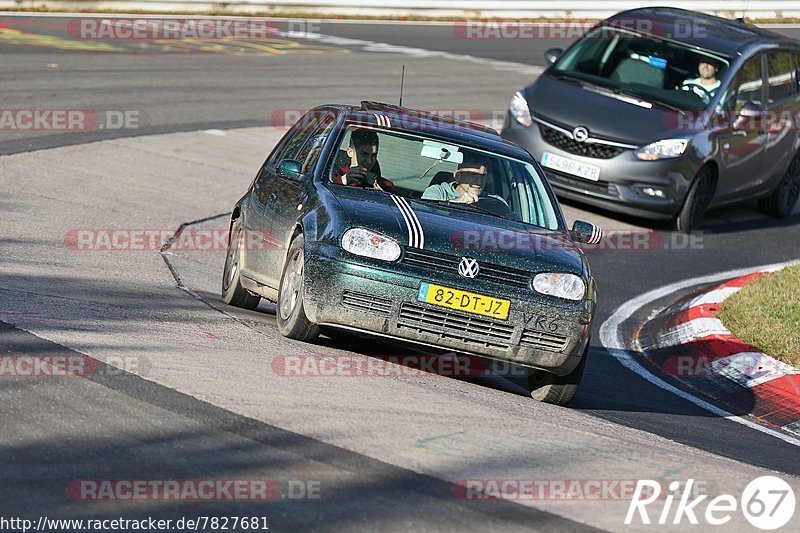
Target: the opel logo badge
pixel 580 134
pixel 468 267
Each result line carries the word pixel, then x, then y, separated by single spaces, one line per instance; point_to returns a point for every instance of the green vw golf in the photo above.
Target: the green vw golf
pixel 404 224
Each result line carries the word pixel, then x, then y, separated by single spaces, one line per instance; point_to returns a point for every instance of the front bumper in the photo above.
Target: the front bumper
pixel 622 177
pixel 339 290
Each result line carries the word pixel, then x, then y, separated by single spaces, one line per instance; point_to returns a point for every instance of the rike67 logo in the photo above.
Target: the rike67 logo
pixel 767 503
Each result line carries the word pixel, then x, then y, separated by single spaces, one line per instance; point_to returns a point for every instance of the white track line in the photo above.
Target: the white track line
pixel 611 338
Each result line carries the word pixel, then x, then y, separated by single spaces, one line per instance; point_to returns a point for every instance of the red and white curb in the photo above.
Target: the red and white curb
pixel 688 342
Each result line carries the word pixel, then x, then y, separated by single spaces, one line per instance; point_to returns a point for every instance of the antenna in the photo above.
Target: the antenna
pixel 402 79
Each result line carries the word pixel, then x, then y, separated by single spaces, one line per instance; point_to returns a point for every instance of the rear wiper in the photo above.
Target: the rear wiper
pixel 469 207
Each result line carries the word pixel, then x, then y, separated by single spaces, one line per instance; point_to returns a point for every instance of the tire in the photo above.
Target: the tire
pixel 781 202
pixel 289 312
pixel 232 291
pixel 697 200
pixel 559 390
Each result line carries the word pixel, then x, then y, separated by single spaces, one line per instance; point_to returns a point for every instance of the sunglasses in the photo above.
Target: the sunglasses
pixel 478 170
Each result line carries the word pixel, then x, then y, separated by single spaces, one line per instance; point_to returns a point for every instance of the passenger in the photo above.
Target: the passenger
pixel 358 165
pixel 467 185
pixel 707 84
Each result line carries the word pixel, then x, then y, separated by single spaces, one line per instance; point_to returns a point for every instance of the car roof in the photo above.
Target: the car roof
pixel 448 129
pixel 708 32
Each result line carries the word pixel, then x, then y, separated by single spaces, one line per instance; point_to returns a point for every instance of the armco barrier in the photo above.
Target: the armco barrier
pixel 509 9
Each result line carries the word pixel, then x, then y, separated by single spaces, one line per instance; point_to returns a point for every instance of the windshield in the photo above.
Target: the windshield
pixel 447 174
pixel 655 70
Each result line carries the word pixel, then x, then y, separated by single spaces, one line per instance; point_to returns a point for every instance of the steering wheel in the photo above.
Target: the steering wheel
pixel 496 205
pixel 700 91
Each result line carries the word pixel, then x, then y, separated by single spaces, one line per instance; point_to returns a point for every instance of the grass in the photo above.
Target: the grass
pixel 766 314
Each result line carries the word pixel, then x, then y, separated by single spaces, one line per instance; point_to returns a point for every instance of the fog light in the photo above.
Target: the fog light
pixel 654 192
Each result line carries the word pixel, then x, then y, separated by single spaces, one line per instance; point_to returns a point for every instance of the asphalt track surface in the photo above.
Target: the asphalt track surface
pixel 201 399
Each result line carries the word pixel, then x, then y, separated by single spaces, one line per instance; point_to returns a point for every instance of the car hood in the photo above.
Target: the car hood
pixel 569 104
pixel 460 232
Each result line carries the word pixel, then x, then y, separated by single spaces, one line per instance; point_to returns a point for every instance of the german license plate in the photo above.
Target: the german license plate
pixel 468 302
pixel 570 166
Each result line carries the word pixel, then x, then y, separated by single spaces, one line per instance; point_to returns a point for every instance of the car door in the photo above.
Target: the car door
pixel 288 195
pixel 783 111
pixel 742 137
pixel 260 234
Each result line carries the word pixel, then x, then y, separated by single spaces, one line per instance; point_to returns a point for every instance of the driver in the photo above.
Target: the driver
pixel 707 84
pixel 358 166
pixel 470 179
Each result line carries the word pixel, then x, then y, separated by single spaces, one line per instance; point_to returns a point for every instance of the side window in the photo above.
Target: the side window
pixel 274 157
pixel 781 76
pixel 751 83
pixel 294 139
pixel 310 152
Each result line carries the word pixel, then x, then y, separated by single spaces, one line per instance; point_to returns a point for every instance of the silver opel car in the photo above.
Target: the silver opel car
pixel 663 113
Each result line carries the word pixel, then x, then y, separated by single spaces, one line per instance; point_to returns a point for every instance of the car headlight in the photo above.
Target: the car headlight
pixel 367 243
pixel 568 286
pixel 519 109
pixel 665 149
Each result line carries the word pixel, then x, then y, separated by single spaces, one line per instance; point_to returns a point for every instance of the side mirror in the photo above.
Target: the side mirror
pixel 586 232
pixel 552 54
pixel 749 116
pixel 289 169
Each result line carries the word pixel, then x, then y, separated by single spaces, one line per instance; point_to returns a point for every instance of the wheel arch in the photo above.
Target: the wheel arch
pixel 714 167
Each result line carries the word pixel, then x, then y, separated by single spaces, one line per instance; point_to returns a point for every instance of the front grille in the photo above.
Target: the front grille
pixel 598 151
pixel 456 326
pixel 543 340
pixel 559 178
pixel 449 263
pixel 367 302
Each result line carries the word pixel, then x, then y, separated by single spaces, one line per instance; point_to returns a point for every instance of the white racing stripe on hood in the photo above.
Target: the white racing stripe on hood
pixel 416 237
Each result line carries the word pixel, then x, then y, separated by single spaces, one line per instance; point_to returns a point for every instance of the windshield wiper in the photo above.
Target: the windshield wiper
pixel 569 77
pixel 638 97
pixel 649 100
pixel 468 207
pixel 605 89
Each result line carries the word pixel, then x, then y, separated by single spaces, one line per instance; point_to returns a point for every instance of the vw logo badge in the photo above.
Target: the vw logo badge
pixel 580 134
pixel 468 267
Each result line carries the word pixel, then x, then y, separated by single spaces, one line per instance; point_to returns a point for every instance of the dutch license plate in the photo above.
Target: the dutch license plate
pixel 468 302
pixel 570 166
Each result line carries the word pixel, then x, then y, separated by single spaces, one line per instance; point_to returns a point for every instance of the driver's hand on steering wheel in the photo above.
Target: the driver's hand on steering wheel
pixel 704 94
pixel 466 198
